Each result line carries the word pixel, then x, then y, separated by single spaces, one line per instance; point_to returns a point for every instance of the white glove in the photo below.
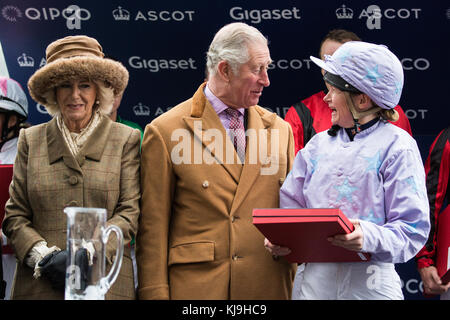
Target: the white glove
pixel 39 251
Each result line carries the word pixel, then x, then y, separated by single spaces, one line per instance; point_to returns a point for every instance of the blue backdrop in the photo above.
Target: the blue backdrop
pixel 163 45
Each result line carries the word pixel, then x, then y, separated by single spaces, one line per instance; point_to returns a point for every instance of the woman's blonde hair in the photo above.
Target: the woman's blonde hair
pixel 389 114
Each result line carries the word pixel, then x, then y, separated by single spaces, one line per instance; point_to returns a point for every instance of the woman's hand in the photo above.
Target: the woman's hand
pixel 350 241
pixel 276 250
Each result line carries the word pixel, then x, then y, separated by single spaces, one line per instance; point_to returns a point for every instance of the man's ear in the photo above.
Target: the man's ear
pixel 224 70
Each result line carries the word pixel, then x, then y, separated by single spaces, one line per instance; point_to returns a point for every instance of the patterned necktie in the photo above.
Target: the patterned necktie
pixel 237 132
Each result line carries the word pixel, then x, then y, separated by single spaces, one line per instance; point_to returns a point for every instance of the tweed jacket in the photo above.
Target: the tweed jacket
pixel 196 239
pixel 47 178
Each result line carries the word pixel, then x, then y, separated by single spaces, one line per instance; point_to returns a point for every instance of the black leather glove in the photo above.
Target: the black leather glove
pixel 53 267
pixel 82 261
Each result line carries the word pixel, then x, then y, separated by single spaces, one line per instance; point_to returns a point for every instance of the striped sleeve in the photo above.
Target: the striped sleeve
pixel 437 168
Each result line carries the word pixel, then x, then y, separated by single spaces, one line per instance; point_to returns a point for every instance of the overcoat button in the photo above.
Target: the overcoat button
pixel 73 180
pixel 281 181
pixel 205 184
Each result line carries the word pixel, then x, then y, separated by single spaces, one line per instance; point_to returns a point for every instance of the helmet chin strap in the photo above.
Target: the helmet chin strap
pixel 358 114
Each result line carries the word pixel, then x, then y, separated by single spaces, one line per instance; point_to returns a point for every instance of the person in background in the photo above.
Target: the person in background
pixel 368 168
pixel 196 239
pixel 13 115
pixel 80 158
pixel 437 168
pixel 312 115
pixel 114 116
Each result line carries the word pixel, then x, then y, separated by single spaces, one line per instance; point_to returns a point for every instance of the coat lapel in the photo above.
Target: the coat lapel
pixel 93 148
pixel 205 123
pixel 57 147
pixel 95 144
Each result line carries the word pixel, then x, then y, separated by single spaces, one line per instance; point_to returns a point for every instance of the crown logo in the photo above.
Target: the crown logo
pixel 141 110
pixel 25 61
pixel 344 13
pixel 121 14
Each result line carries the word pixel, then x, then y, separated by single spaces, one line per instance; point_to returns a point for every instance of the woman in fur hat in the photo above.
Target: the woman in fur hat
pixel 80 158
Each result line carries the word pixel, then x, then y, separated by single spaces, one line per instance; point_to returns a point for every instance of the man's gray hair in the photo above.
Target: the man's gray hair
pixel 231 44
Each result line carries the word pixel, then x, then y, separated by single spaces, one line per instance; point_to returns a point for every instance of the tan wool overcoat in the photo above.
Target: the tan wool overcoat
pixel 47 178
pixel 196 239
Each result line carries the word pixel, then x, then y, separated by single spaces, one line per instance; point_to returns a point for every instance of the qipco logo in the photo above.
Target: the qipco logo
pixel 70 12
pixel 73 14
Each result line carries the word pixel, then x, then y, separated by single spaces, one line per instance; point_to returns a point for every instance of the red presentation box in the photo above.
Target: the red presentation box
pixel 443 246
pixel 6 172
pixel 305 232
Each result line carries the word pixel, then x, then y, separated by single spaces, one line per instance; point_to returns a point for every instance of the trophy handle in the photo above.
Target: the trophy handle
pixel 109 280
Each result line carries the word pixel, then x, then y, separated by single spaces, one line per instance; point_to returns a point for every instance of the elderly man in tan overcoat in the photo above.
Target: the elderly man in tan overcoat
pixel 200 183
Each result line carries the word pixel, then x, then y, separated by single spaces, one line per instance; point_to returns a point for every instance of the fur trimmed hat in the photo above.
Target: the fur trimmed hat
pixel 73 58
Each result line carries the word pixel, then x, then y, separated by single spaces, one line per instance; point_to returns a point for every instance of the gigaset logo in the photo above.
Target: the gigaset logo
pixel 257 15
pixel 156 65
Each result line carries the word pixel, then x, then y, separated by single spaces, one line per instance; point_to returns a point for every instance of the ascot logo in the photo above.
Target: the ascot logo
pixel 374 14
pixel 165 16
pixel 295 64
pixel 141 110
pixel 257 16
pixel 25 61
pixel 412 114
